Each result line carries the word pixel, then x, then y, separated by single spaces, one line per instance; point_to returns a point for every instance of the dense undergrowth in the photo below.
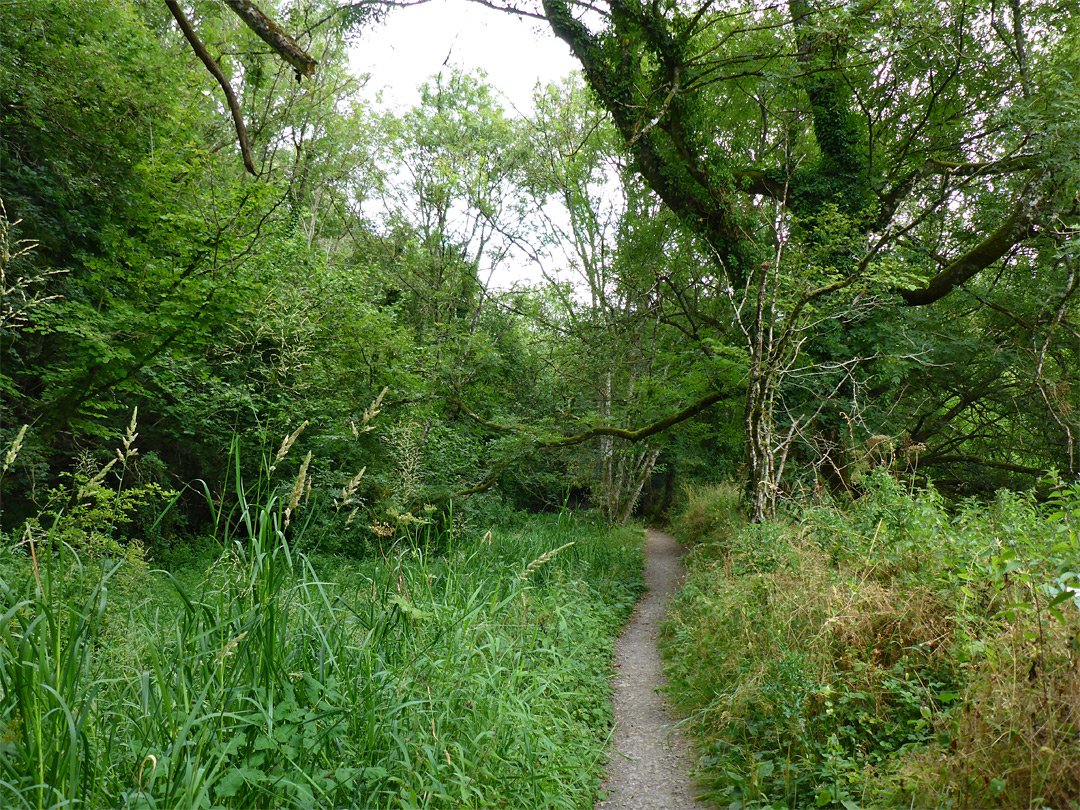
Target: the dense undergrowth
pixel 892 653
pixel 440 671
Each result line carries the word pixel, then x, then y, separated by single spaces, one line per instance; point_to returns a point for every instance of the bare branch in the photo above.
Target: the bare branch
pixel 215 71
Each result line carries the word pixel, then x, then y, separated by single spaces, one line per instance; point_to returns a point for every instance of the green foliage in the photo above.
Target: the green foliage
pixel 47 641
pixel 711 514
pixel 230 309
pixel 222 304
pixel 262 677
pixel 82 85
pixel 890 654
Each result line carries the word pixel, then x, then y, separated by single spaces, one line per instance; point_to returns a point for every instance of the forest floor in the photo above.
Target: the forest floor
pixel 650 759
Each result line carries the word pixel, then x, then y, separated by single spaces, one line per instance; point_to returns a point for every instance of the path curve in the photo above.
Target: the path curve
pixel 650 760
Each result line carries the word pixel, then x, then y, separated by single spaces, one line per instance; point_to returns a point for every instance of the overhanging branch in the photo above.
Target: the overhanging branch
pixel 601 430
pixel 1014 230
pixel 465 409
pixel 982 462
pixel 215 71
pixel 273 35
pixel 641 433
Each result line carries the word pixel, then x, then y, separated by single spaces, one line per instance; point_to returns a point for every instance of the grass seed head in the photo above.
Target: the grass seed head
pixel 130 436
pixel 94 484
pixel 542 560
pixel 298 488
pixel 230 648
pixel 287 444
pixel 371 411
pixel 349 490
pixel 13 451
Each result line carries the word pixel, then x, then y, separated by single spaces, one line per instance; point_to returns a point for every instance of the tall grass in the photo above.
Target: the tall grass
pixel 893 653
pixel 471 678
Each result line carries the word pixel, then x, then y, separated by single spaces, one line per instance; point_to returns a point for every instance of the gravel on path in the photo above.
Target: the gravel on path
pixel 650 759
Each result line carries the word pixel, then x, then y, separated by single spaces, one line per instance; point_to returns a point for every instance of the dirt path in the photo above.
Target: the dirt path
pixel 650 760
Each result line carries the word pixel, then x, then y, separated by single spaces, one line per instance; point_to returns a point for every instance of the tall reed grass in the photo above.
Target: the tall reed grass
pixel 267 678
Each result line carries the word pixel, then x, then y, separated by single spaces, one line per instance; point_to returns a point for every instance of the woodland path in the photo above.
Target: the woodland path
pixel 650 759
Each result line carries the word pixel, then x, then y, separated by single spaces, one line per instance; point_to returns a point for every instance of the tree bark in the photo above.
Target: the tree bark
pixel 648 462
pixel 663 150
pixel 273 35
pixel 215 71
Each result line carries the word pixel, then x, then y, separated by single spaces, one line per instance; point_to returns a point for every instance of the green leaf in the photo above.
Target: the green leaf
pixel 1064 596
pixel 229 784
pixel 408 608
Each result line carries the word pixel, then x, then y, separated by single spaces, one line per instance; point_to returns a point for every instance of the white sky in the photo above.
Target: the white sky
pixel 413 43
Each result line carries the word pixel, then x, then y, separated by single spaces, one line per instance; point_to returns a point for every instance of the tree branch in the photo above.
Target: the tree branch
pixel 758 182
pixel 580 438
pixel 660 150
pixel 982 462
pixel 1014 230
pixel 641 433
pixel 461 406
pixel 273 35
pixel 993 167
pixel 215 71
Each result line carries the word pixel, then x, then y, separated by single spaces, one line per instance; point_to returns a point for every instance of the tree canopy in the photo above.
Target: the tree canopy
pixel 783 242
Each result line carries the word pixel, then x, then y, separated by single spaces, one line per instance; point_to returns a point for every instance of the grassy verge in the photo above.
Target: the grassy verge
pixel 891 654
pixel 261 677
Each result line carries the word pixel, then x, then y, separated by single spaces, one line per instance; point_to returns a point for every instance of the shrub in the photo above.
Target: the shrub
pixel 886 654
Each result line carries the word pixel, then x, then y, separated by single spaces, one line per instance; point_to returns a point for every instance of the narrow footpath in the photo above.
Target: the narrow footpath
pixel 650 760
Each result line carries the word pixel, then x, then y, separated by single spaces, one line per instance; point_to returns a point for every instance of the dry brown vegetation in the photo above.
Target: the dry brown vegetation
pixel 892 654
